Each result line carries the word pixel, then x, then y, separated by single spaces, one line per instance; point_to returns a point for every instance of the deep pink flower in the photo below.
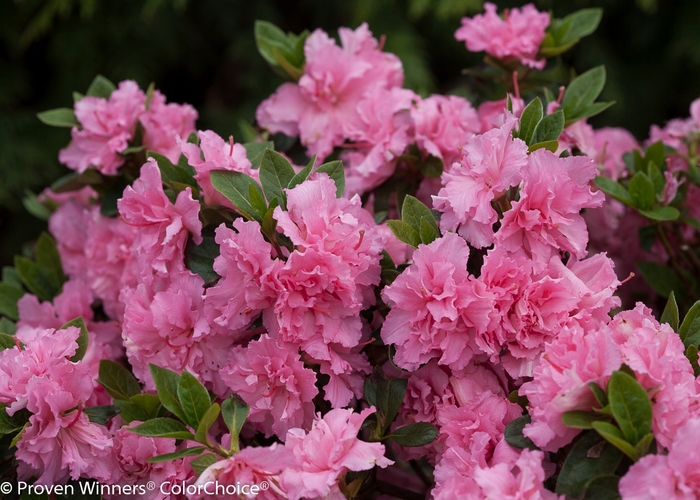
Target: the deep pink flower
pixel 491 163
pixel 213 153
pixel 437 307
pixel 106 127
pixel 327 452
pixel 518 36
pixel 69 226
pixel 335 80
pixel 270 377
pixel 443 124
pixel 163 226
pixel 164 123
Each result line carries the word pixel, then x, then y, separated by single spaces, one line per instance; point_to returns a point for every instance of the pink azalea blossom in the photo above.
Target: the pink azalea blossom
pixel 213 153
pixel 492 114
pixel 270 377
pixel 546 219
pixel 250 466
pixel 518 36
pixel 335 79
pixel 69 224
pixel 381 134
pixel 130 454
pixel 443 124
pixel 164 123
pixel 491 163
pixel 610 144
pixel 60 441
pixel 107 126
pixel 163 226
pixel 437 307
pixel 327 452
pixel 667 477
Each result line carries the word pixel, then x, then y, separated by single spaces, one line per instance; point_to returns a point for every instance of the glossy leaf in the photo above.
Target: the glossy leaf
pixel 255 150
pixel 167 383
pixel 163 428
pixel 194 399
pixel 235 186
pixel 169 457
pixel 117 380
pixel 630 406
pixel 82 340
pixel 532 114
pixel 670 313
pixel 418 434
pixel 335 171
pixel 514 434
pixel 60 117
pixel 101 87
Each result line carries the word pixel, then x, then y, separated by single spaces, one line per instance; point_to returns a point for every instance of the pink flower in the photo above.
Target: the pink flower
pixel 381 134
pixel 163 227
pixel 437 307
pixel 61 442
pixel 611 143
pixel 164 123
pixel 131 467
pixel 491 163
pixel 271 378
pixel 570 362
pixel 546 219
pixel 443 124
pixel 247 270
pixel 213 153
pixel 335 80
pixel 492 114
pixel 168 328
pixel 327 452
pixel 69 224
pixel 667 477
pixel 518 36
pixel 107 126
pixel 250 466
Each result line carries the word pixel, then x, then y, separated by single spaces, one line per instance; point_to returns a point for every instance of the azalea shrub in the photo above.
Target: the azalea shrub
pixel 380 294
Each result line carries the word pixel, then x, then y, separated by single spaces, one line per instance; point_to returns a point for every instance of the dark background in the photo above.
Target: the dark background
pixel 203 52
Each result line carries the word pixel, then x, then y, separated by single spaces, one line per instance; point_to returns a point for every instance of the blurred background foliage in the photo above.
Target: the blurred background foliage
pixel 203 52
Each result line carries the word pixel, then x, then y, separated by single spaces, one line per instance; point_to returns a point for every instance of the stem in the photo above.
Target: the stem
pixel 397 491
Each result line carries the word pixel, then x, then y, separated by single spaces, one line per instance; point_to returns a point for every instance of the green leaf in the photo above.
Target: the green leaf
pixel 613 436
pixel 149 403
pixel 235 186
pixel 641 190
pixel 630 406
pixel 549 128
pixel 599 394
pixel 413 211
pixel 101 87
pixel 614 189
pixel 18 436
pixel 603 488
pixel 44 278
pixel 657 178
pixel 404 232
pixel 532 114
pixel 590 457
pixel 670 314
pixel 101 414
pixel 692 354
pixel 257 200
pixel 200 258
pixel 580 419
pixel 548 145
pixel 9 295
pixel 117 380
pixel 661 213
pixel 582 23
pixel 167 383
pixel 335 171
pixel 592 110
pixel 275 174
pixel 642 447
pixel 234 412
pixel 7 326
pixel 163 428
pixel 83 338
pixel 661 278
pixel 284 53
pixel 303 175
pixel 255 150
pixel 171 173
pixel 418 434
pixel 582 92
pixel 689 325
pixel 129 411
pixel 7 341
pixel 432 167
pixel 61 117
pixel 656 154
pixel 200 464
pixel 194 399
pixel 514 434
pixel 11 277
pixel 12 424
pixel 75 181
pixel 201 435
pixel 169 457
pixel 427 233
